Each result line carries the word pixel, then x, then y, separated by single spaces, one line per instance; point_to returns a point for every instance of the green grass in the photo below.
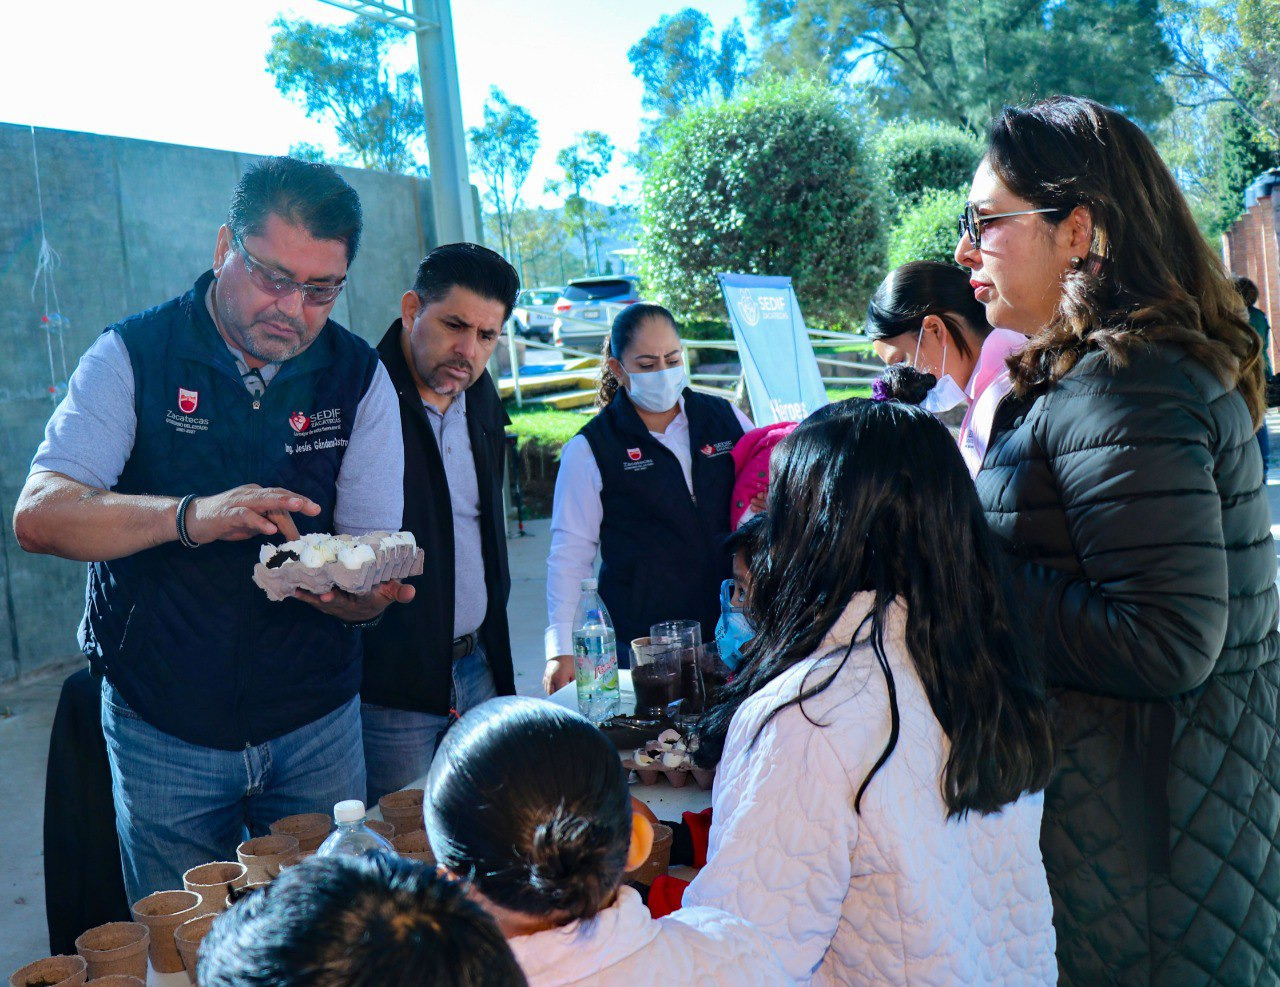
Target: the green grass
pixel 548 428
pixel 841 393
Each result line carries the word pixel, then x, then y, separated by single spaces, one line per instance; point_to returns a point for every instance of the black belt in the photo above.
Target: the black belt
pixel 463 646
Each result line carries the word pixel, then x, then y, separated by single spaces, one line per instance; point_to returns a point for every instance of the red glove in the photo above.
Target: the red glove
pixel 666 894
pixel 699 824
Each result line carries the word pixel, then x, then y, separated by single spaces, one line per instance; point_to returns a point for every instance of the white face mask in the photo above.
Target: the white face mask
pixel 657 390
pixel 945 394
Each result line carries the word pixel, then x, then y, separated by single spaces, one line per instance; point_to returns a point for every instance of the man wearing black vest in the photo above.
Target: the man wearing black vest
pixel 190 434
pixel 450 649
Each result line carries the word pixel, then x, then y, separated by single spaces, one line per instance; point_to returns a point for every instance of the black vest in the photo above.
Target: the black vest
pixel 661 550
pixel 183 634
pixel 408 657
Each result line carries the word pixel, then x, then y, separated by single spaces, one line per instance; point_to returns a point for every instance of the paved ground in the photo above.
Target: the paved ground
pixel 26 715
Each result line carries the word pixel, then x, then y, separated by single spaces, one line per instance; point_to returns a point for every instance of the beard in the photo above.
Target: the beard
pixel 445 385
pixel 264 344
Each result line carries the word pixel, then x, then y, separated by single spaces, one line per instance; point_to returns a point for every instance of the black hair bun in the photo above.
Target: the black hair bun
pixel 903 382
pixel 575 863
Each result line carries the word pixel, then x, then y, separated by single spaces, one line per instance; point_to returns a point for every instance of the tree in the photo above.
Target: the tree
pixel 337 73
pixel 582 162
pixel 1225 128
pixel 960 61
pixel 1229 53
pixel 502 150
pixel 778 180
pixel 681 65
pixel 917 156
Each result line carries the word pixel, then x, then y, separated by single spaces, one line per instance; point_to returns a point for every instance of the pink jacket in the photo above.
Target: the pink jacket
pixel 751 463
pixel 988 384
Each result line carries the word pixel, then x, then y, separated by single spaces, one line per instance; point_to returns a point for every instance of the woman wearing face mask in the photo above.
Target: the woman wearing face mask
pixel 924 314
pixel 648 482
pixel 1125 483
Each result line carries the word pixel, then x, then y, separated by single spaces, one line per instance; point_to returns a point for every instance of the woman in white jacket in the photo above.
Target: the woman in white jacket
pixel 528 802
pixel 874 815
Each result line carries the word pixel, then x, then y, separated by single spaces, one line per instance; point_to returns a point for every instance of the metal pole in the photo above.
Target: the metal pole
pixel 442 107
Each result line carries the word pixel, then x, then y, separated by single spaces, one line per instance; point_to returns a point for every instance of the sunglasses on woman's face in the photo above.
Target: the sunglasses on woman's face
pixel 971 221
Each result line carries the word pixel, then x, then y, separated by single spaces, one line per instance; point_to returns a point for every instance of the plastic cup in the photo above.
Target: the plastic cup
pixel 686 635
pixel 655 677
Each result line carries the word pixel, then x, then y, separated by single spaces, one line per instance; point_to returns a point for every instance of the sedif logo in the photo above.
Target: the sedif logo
pixel 329 420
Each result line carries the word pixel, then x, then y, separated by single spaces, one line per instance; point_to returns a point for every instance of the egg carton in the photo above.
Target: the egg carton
pixel 667 757
pixel 320 563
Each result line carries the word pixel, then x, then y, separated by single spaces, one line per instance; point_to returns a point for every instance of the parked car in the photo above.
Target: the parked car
pixel 586 307
pixel 533 313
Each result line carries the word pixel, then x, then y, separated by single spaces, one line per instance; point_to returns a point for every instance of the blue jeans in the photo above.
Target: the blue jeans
pixel 400 743
pixel 179 804
pixel 1264 444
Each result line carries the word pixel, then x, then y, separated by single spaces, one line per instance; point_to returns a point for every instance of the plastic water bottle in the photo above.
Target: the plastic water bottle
pixel 352 835
pixel 595 657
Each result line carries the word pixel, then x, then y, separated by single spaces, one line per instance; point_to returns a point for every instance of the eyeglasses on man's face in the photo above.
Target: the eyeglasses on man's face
pixel 278 286
pixel 971 221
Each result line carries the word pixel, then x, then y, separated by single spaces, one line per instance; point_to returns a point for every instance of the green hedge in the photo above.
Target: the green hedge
pixel 928 230
pixel 778 180
pixel 918 156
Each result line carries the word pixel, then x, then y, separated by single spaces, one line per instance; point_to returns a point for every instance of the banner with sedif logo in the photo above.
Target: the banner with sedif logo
pixel 783 380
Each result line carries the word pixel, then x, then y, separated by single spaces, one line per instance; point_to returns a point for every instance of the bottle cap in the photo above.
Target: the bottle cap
pixel 350 811
pixel 590 584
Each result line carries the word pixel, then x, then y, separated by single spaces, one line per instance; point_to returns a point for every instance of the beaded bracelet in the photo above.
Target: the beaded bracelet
pixel 183 536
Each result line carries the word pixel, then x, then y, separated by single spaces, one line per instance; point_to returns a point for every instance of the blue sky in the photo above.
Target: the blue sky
pixel 193 73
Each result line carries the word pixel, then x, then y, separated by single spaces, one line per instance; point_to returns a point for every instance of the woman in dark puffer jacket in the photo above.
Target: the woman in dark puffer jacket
pixel 1125 482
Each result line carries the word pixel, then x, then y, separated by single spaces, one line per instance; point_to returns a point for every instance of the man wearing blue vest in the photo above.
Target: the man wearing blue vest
pixel 190 434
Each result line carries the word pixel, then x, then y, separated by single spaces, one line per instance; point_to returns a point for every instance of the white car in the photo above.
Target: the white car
pixel 533 313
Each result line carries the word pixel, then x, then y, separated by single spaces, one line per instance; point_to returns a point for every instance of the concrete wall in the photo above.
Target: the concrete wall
pixel 134 223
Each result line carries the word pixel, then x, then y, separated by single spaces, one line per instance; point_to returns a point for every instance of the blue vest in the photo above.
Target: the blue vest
pixel 662 555
pixel 184 635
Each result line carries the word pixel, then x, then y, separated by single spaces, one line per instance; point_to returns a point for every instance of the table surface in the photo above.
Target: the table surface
pixel 665 801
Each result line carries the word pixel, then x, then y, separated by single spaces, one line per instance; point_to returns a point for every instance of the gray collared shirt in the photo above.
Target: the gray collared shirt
pixel 470 596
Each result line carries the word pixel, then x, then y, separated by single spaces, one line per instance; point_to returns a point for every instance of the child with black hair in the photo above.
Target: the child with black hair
pixel 528 802
pixel 372 921
pixel 881 752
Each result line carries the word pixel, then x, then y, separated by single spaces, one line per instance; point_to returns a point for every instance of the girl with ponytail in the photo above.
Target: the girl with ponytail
pixel 528 803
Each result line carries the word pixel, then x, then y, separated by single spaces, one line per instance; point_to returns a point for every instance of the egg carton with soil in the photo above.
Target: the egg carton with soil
pixel 667 757
pixel 319 563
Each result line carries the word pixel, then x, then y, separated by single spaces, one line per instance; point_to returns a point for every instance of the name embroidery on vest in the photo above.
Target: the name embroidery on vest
pixel 310 430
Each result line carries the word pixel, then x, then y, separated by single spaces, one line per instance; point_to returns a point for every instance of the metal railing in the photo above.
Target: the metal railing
pixel 819 337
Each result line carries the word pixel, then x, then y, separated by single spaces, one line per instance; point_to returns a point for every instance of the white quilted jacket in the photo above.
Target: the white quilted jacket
pixel 898 894
pixel 624 946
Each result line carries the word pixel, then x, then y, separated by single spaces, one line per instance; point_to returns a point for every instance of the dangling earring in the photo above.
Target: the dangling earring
pixel 1077 263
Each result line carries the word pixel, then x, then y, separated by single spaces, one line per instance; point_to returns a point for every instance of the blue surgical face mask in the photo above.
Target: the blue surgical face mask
pixel 733 630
